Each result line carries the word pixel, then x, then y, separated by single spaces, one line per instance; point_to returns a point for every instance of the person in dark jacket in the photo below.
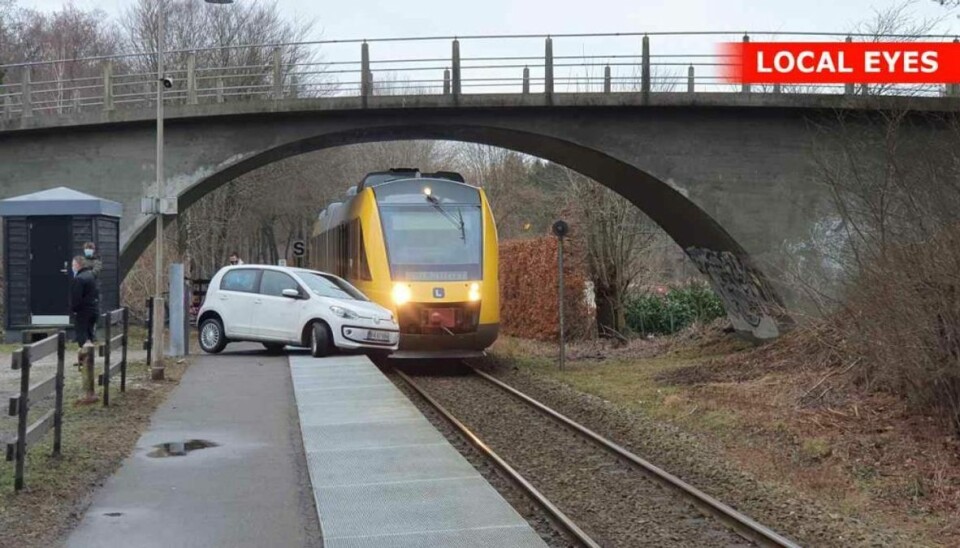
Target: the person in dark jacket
pixel 92 259
pixel 84 301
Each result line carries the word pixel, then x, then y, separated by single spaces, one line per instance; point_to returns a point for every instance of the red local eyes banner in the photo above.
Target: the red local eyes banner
pixel 841 62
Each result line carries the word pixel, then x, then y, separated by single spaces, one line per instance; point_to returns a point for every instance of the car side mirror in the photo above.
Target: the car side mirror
pixel 292 293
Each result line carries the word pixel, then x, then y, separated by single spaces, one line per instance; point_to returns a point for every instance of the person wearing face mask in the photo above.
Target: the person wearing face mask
pixel 92 259
pixel 84 301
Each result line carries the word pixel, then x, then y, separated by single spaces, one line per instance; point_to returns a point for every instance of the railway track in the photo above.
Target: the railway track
pixel 740 524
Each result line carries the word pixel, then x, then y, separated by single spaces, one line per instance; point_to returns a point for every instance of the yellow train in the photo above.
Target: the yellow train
pixel 423 245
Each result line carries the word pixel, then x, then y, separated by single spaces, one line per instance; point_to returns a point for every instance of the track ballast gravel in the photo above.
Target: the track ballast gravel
pixel 616 504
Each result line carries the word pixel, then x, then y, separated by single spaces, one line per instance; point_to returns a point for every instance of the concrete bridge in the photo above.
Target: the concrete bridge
pixel 732 177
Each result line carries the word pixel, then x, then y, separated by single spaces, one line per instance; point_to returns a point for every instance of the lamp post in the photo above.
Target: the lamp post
pixel 157 369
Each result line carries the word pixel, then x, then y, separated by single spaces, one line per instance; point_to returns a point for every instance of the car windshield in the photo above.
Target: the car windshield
pixel 331 286
pixel 428 243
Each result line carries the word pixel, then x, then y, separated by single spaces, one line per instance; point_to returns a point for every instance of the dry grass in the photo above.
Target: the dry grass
pixel 95 442
pixel 791 413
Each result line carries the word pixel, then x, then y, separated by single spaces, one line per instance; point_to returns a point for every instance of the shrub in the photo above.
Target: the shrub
pixel 673 311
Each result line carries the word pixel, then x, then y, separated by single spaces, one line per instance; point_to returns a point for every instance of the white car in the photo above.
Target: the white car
pixel 279 306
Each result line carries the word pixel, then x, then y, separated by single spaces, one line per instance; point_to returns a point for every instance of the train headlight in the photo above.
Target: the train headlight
pixel 401 294
pixel 474 294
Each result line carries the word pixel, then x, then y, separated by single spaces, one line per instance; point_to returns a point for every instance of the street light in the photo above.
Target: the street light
pixel 162 201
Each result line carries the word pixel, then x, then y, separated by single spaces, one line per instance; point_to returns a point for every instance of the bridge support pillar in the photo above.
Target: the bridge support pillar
pixel 277 74
pixel 446 81
pixel 606 79
pixel 455 73
pixel 26 105
pixel 690 79
pixel 645 69
pixel 108 85
pixel 548 70
pixel 526 80
pixel 192 78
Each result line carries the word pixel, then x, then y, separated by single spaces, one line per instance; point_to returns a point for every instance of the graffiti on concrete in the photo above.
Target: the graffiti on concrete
pixel 750 302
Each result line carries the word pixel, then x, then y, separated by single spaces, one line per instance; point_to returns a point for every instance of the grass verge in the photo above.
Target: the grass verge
pixel 860 453
pixel 95 441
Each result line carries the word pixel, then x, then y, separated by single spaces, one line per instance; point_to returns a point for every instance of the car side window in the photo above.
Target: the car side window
pixel 273 283
pixel 243 280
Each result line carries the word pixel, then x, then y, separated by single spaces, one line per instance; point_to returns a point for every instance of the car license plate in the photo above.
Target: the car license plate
pixel 378 336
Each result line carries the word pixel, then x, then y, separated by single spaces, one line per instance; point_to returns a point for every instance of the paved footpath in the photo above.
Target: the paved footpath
pixel 251 489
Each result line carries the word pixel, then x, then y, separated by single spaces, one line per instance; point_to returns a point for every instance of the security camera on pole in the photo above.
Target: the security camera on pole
pixel 560 230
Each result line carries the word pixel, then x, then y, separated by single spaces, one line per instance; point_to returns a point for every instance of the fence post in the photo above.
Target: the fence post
pixel 953 89
pixel 22 407
pixel 105 379
pixel 746 87
pixel 123 351
pixel 777 88
pixel 364 72
pixel 7 107
pixel 455 73
pixel 108 85
pixel 525 86
pixel 607 87
pixel 848 88
pixel 294 87
pixel 192 78
pixel 148 344
pixel 446 81
pixel 690 79
pixel 219 89
pixel 277 74
pixel 26 105
pixel 76 100
pixel 645 69
pixel 548 70
pixel 58 404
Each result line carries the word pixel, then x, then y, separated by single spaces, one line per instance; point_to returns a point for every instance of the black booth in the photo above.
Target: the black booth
pixel 42 232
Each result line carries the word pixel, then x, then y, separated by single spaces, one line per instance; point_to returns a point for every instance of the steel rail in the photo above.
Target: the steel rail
pixel 739 522
pixel 532 491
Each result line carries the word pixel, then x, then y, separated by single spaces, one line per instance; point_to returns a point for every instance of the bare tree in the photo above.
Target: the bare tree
pixel 239 36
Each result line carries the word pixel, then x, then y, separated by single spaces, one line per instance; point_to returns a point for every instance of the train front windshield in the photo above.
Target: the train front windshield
pixel 432 243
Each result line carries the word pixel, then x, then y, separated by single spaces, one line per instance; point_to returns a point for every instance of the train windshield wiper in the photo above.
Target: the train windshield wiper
pixel 456 221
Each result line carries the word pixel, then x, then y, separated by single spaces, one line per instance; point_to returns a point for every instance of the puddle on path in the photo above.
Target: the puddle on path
pixel 179 448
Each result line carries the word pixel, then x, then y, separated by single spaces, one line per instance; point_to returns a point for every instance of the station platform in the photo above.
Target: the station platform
pixel 382 475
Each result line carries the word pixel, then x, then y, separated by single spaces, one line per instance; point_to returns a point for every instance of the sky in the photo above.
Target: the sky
pixel 336 19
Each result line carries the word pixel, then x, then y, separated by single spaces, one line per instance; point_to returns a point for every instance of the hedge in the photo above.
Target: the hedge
pixel 528 290
pixel 676 309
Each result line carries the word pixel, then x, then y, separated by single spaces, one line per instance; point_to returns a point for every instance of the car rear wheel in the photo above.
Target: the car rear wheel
pixel 320 340
pixel 212 338
pixel 274 348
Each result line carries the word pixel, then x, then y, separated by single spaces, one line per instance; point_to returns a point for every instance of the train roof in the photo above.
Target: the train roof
pixel 376 178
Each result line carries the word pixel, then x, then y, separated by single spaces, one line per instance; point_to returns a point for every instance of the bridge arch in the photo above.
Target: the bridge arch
pixel 752 303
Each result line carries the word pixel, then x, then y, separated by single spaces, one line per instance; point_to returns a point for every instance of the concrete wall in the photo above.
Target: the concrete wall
pixel 731 184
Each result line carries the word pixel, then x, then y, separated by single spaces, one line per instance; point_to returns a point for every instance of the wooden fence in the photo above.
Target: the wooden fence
pixel 119 317
pixel 29 434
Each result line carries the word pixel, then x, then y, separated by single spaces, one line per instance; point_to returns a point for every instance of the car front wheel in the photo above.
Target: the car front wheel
pixel 212 338
pixel 320 340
